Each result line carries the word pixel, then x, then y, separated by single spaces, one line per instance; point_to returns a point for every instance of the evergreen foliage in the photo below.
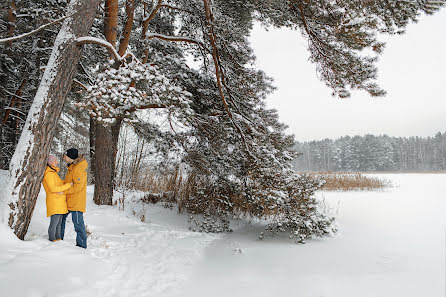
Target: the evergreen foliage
pixel 22 64
pixel 373 153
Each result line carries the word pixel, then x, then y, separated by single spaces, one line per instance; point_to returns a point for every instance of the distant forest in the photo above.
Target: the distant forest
pixel 373 153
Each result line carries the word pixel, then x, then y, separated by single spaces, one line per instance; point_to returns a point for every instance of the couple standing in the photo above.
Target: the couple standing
pixel 66 196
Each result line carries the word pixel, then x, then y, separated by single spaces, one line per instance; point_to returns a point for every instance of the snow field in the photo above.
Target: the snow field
pixel 390 243
pixel 125 257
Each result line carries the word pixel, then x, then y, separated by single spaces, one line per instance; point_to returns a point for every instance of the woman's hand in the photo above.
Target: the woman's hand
pixel 60 193
pixel 71 183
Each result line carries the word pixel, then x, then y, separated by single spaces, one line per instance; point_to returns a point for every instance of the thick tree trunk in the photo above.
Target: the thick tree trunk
pixel 92 149
pixel 106 148
pixel 28 163
pixel 105 144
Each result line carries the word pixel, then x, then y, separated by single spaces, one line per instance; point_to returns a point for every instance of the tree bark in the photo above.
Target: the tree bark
pixel 92 149
pixel 130 11
pixel 106 143
pixel 11 20
pixel 29 159
pixel 15 98
pixel 106 148
pixel 111 21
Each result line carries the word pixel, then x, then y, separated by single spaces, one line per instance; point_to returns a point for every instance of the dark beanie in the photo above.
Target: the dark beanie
pixel 72 153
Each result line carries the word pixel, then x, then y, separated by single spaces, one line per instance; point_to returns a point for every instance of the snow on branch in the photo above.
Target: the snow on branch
pixel 119 92
pixel 80 84
pixel 175 8
pixel 148 106
pixel 12 94
pixel 24 35
pixel 173 38
pixel 150 16
pixel 101 42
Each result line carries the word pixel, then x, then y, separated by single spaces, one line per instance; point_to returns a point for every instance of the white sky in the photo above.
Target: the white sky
pixel 412 70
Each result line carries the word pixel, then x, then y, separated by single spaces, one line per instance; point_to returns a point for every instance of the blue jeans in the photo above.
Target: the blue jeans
pixel 54 230
pixel 79 226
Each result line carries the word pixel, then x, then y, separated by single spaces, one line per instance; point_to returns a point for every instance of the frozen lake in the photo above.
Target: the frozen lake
pixel 390 243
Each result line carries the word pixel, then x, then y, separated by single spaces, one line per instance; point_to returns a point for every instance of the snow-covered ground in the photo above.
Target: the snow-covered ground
pixel 125 257
pixel 390 243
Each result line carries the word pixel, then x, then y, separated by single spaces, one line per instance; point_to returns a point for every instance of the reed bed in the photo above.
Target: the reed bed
pixel 352 181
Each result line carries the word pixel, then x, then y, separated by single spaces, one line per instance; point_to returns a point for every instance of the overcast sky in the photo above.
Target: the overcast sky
pixel 412 70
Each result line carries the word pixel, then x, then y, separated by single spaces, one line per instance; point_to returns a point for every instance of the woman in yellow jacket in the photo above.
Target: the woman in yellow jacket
pixel 56 201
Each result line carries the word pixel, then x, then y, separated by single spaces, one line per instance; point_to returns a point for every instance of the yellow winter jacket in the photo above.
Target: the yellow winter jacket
pixel 77 194
pixel 55 203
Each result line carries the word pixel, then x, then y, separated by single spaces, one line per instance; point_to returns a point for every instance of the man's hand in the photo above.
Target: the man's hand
pixel 60 193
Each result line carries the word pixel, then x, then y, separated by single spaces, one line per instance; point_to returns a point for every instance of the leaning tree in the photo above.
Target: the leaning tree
pixel 28 162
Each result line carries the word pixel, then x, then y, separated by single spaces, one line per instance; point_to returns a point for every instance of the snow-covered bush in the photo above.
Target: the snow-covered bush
pixel 212 203
pixel 301 215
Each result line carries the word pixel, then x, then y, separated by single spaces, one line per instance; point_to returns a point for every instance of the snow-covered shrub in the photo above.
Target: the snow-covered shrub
pixel 301 215
pixel 209 223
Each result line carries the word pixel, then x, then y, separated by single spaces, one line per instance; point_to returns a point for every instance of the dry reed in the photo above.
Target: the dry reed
pixel 352 181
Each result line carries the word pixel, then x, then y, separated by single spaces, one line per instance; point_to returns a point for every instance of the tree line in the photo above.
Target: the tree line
pixel 373 153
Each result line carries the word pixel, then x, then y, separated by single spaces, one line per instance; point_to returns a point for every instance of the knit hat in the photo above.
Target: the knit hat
pixel 51 159
pixel 72 153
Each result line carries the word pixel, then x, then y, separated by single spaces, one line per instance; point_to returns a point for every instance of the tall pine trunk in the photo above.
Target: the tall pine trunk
pixel 28 162
pixel 106 148
pixel 106 137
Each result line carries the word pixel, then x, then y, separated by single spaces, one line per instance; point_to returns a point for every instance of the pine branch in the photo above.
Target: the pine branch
pixel 148 106
pixel 149 18
pixel 30 33
pixel 176 8
pixel 93 40
pixel 80 84
pixel 12 19
pixel 15 97
pixel 219 72
pixel 173 38
pixel 130 12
